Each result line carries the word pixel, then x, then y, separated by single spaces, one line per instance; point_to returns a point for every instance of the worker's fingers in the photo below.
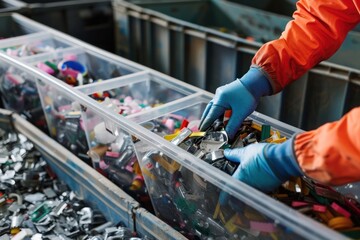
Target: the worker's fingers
pixel 233 154
pixel 233 124
pixel 204 115
pixel 214 112
pixel 237 117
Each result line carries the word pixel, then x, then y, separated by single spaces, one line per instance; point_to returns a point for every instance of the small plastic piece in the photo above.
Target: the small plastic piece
pixel 340 210
pixel 40 212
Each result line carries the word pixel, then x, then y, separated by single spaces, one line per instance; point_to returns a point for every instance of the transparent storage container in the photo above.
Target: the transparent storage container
pixel 32 44
pixel 18 89
pixel 190 202
pixel 113 202
pixel 77 66
pixel 166 123
pixel 81 67
pixel 64 119
pixel 19 93
pixel 111 148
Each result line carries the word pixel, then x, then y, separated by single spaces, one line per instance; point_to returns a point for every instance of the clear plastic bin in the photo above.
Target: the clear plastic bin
pixel 32 44
pixel 111 148
pixel 189 202
pixel 169 123
pixel 64 119
pixel 114 203
pixel 76 66
pixel 19 93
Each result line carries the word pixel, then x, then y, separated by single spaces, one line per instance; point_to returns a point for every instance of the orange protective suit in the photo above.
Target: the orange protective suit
pixel 331 153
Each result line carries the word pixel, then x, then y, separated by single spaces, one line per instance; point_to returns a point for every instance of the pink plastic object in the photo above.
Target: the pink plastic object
pixel 170 124
pixel 112 154
pixel 45 68
pixel 65 108
pixel 128 99
pixel 262 226
pixel 15 79
pixel 319 208
pixel 299 204
pixel 103 165
pixel 340 210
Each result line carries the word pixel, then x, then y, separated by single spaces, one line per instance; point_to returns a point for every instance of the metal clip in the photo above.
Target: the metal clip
pixel 214 141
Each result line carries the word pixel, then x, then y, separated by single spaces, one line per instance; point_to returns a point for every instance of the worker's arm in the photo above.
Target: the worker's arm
pixel 317 31
pixel 329 155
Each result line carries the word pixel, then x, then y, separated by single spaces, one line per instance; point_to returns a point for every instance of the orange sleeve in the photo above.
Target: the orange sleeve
pixel 317 31
pixel 331 153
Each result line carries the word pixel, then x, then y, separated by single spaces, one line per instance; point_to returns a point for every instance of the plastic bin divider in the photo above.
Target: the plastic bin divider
pixel 299 223
pixel 32 38
pixel 173 106
pixel 90 59
pixel 142 75
pixel 114 83
pixel 33 60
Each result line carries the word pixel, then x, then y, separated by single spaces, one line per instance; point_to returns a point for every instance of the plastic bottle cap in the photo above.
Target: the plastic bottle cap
pixel 72 68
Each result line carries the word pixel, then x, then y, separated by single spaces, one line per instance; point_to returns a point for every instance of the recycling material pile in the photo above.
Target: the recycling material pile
pixel 34 204
pixel 31 48
pixel 191 204
pixel 76 70
pixel 19 92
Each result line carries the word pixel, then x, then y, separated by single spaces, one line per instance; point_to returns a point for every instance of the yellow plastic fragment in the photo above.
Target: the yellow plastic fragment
pixel 231 225
pixel 174 135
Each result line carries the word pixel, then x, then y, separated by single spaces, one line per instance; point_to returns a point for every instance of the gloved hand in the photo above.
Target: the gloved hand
pixel 263 166
pixel 241 96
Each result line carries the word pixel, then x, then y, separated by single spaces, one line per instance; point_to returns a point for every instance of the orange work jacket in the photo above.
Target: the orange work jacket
pixel 331 153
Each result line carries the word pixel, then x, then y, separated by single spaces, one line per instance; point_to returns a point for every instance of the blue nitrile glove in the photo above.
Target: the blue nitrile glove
pixel 264 166
pixel 241 96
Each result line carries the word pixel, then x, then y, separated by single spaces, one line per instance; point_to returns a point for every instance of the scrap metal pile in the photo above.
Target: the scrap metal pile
pixel 35 204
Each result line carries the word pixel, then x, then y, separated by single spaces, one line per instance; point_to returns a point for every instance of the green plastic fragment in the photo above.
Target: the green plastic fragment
pixel 265 132
pixel 52 66
pixel 40 212
pixel 177 124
